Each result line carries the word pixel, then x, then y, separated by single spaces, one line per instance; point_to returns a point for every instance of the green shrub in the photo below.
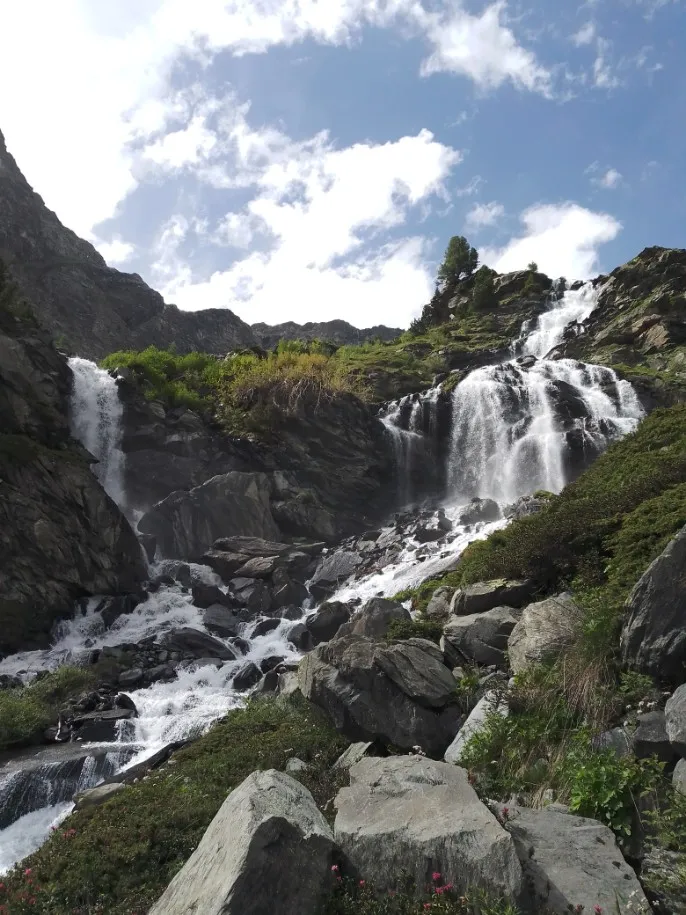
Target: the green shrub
pixel 119 857
pixel 25 712
pixel 400 630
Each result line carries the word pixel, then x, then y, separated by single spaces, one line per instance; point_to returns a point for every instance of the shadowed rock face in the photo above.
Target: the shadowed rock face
pixel 90 307
pixel 61 536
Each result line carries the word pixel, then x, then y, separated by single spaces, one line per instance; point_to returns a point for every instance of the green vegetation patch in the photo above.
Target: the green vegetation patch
pixel 25 712
pixel 119 857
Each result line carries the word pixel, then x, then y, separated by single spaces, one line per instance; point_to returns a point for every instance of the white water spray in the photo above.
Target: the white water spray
pixel 96 415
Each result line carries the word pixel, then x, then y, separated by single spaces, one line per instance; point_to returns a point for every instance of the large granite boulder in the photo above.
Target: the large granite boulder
pixel 653 636
pixel 544 630
pixel 486 595
pixel 196 644
pixel 331 571
pixel 480 638
pixel 269 849
pixel 401 694
pixel 327 620
pixel 675 717
pixel 573 864
pixel 375 617
pixel 410 815
pixel 187 524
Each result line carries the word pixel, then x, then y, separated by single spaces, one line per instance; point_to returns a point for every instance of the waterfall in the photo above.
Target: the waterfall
pixel 526 424
pixel 529 423
pixel 96 416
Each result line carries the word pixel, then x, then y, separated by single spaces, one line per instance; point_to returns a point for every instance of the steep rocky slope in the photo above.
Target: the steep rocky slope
pixel 639 326
pixel 61 536
pixel 339 332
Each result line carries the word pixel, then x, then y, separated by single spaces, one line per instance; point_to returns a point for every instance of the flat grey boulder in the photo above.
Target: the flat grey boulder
pixel 571 862
pixel 327 620
pixel 220 621
pixel 375 617
pixel 675 717
pixel 408 814
pixel 485 595
pixel 269 849
pixel 197 644
pixel 187 524
pixel 486 706
pixel 653 638
pixel 94 797
pixel 346 677
pixel 479 637
pixel 544 630
pixel 252 546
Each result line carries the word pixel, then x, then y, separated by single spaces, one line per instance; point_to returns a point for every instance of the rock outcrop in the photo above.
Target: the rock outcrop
pixel 61 536
pixel 543 631
pixel 269 849
pixel 653 636
pixel 338 332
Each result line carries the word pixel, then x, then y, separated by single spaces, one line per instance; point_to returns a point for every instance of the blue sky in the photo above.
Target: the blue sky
pixel 309 159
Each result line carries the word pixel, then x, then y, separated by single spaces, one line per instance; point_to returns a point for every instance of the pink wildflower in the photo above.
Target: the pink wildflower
pixel 335 868
pixel 598 910
pixel 362 882
pixel 27 872
pixel 435 876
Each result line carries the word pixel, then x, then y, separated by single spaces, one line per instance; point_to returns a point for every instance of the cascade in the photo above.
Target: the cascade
pixel 412 423
pixel 528 423
pixel 96 416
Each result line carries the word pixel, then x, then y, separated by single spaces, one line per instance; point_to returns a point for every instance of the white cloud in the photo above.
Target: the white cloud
pixel 109 76
pixel 563 239
pixel 585 35
pixel 482 215
pixel 483 48
pixel 321 213
pixel 116 252
pixel 607 178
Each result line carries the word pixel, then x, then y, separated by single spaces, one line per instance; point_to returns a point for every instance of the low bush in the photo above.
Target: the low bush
pixel 119 857
pixel 25 712
pixel 399 630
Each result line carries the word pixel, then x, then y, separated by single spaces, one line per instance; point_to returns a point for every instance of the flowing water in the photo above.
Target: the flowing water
pixel 512 427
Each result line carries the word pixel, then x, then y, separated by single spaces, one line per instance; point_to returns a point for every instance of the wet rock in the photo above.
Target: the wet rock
pixel 269 849
pixel 206 596
pixel 265 626
pixel 286 591
pixel 149 544
pixel 524 507
pixel 426 815
pixel 270 663
pixel 325 623
pixel 252 594
pixel 183 575
pixel 480 638
pixel 197 644
pixel 544 630
pixel 301 637
pixel 247 676
pixel 255 547
pixel 220 621
pixel 99 726
pixel 130 678
pixel 653 636
pixel 187 524
pixel 485 595
pixel 483 510
pixel 675 715
pixel 332 570
pixel 224 563
pixel 111 608
pixel 258 567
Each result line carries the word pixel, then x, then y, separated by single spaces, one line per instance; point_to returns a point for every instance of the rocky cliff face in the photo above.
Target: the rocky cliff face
pixel 639 326
pixel 338 332
pixel 61 536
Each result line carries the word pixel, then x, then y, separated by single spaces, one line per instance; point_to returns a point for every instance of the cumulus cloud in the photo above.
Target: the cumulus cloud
pixel 321 214
pixel 563 239
pixel 110 70
pixel 116 252
pixel 482 215
pixel 607 178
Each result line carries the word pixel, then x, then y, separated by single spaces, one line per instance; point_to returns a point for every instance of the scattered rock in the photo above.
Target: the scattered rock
pixel 94 797
pixel 301 637
pixel 220 621
pixel 675 714
pixel 653 636
pixel 411 814
pixel 479 637
pixel 197 644
pixel 486 595
pixel 252 546
pixel 524 507
pixel 224 563
pixel 248 675
pixel 294 765
pixel 205 596
pixel 344 677
pixel 286 591
pixel 438 608
pixel 252 594
pixel 356 752
pixel 571 862
pixel 265 626
pixel 488 704
pixel 130 678
pixel 325 623
pixel 258 567
pixel 374 618
pixel 332 570
pixel 616 739
pixel 269 849
pixel 483 510
pixel 544 631
pixel 650 737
